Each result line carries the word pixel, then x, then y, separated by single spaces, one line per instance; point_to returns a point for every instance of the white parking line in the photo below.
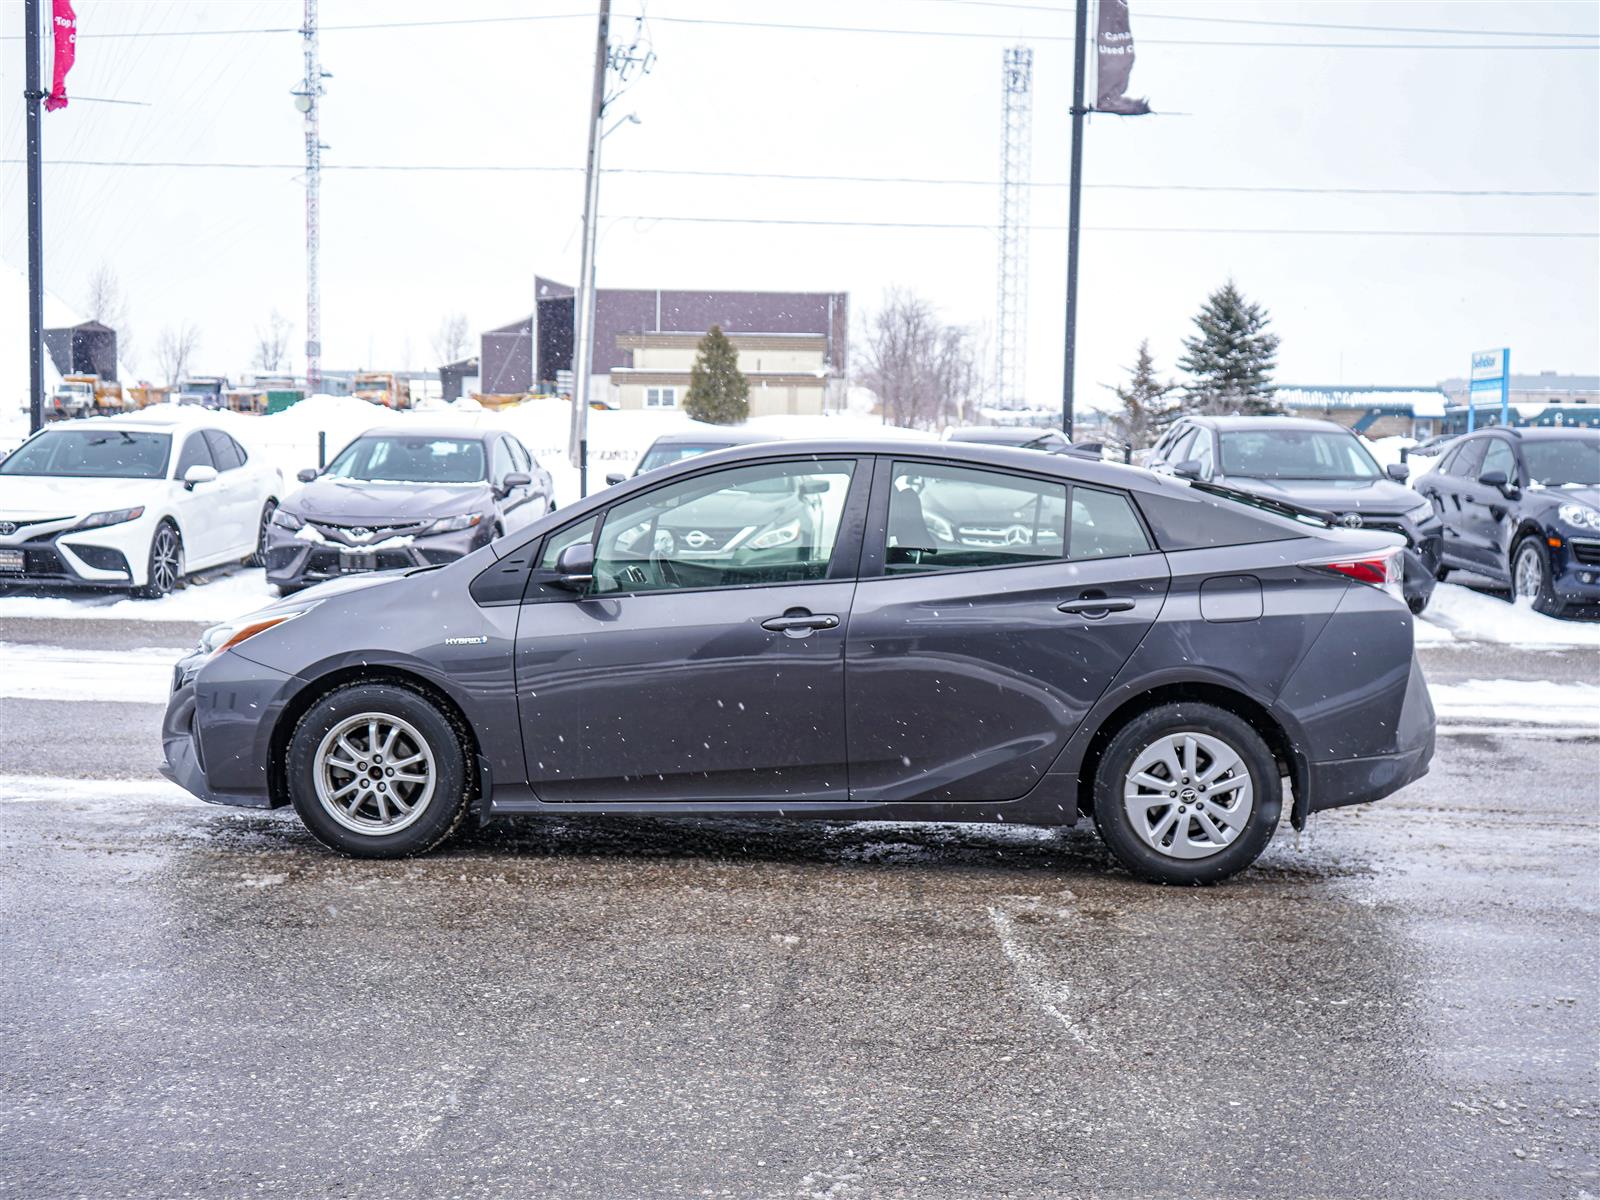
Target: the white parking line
pixel 1033 973
pixel 57 673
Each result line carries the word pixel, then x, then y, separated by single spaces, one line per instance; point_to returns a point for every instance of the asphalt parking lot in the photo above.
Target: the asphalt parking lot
pixel 202 1002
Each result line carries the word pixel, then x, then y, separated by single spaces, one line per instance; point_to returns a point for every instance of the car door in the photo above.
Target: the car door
pixel 199 518
pixel 986 625
pixel 532 500
pixel 1489 509
pixel 705 662
pixel 1455 497
pixel 235 500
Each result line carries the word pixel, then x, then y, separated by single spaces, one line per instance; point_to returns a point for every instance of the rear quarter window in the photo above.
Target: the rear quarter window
pixel 1182 518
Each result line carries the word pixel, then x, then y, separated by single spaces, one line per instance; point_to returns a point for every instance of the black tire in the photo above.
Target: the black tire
pixel 1544 594
pixel 1441 573
pixel 289 589
pixel 1132 849
pixel 441 812
pixel 1416 604
pixel 163 574
pixel 259 558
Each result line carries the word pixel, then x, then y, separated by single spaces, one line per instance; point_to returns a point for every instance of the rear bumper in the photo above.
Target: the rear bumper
pixel 1335 783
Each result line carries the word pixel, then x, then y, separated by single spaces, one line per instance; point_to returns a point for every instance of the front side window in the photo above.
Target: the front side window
pixel 1466 460
pixel 1200 452
pixel 661 397
pixel 1296 454
pixel 401 459
pixel 101 453
pixel 944 518
pixel 1499 458
pixel 765 524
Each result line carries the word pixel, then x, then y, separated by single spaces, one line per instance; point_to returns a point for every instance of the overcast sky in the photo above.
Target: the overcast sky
pixel 223 247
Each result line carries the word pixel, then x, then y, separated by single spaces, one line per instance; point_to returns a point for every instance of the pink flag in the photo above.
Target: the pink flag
pixel 65 22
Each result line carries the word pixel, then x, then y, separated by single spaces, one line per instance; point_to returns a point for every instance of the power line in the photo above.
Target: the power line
pixel 797 177
pixel 1187 229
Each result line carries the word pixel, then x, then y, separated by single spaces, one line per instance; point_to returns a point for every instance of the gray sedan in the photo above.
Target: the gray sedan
pixel 838 630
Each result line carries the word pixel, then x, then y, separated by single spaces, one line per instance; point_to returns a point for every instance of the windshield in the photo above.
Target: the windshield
pixel 1563 461
pixel 94 453
pixel 1296 454
pixel 410 460
pixel 661 456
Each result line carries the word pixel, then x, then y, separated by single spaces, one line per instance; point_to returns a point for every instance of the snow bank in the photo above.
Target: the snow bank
pixel 1461 614
pixel 219 600
pixel 29 672
pixel 1519 702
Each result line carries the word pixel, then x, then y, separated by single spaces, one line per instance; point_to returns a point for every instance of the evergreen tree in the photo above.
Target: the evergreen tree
pixel 1231 360
pixel 1147 406
pixel 718 390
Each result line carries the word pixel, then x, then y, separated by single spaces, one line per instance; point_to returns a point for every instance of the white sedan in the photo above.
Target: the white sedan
pixel 130 503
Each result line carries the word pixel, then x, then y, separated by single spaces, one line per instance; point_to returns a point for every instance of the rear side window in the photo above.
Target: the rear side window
pixel 1104 526
pixel 946 518
pixel 224 451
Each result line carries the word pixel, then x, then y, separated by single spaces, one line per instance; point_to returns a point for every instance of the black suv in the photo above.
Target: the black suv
pixel 1522 506
pixel 1317 465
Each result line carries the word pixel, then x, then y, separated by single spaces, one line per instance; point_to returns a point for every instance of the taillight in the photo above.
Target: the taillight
pixel 1385 569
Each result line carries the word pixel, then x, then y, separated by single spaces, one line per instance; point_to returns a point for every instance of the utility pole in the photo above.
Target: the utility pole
pixel 1016 157
pixel 583 351
pixel 34 95
pixel 306 100
pixel 1074 207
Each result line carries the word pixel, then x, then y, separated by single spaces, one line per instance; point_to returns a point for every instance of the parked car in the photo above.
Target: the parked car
pixel 675 447
pixel 1522 506
pixel 1023 437
pixel 1317 465
pixel 1143 652
pixel 404 496
pixel 130 503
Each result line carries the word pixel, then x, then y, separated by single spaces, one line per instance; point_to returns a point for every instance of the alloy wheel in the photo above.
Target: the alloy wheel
pixel 166 558
pixel 374 773
pixel 1528 578
pixel 1188 795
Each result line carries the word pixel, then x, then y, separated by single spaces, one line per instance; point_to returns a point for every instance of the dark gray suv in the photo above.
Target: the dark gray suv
pixel 905 631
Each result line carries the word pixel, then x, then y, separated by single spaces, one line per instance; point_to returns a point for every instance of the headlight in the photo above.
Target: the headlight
pixel 781 536
pixel 284 519
pixel 452 524
pixel 1580 515
pixel 1421 511
pixel 116 517
pixel 230 633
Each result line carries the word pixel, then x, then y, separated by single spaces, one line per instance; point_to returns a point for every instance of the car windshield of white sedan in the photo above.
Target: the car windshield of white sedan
pixel 1295 454
pixel 92 453
pixel 1561 462
pixel 410 460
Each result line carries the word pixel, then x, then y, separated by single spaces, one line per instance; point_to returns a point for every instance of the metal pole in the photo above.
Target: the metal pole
pixel 583 350
pixel 33 94
pixel 1074 206
pixel 1505 386
pixel 313 92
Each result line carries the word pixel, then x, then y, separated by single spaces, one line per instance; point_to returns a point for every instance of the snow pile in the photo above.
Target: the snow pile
pixel 207 603
pixel 142 676
pixel 1519 702
pixel 1462 614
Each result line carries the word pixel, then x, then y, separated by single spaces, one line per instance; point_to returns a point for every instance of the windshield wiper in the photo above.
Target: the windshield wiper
pixel 1284 508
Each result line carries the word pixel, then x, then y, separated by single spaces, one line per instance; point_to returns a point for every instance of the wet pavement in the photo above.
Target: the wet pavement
pixel 202 1002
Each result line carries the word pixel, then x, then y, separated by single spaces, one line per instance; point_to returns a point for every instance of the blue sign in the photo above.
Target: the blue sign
pixel 1490 380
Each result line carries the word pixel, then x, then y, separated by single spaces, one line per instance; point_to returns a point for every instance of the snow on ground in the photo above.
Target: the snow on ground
pixel 1459 613
pixel 1519 702
pixel 221 599
pixel 57 673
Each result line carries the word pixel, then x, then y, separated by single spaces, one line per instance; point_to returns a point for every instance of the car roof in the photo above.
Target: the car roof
pixel 1540 433
pixel 154 423
pixel 730 436
pixel 477 434
pixel 1264 422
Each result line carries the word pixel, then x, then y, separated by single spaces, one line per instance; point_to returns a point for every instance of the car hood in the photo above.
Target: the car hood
pixel 386 503
pixel 1566 495
pixel 1333 495
pixel 49 496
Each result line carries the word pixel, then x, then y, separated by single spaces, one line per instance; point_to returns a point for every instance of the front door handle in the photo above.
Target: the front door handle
pixel 1095 607
pixel 797 622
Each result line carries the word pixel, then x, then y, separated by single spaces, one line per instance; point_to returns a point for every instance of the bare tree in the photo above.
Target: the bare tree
pixel 174 349
pixel 272 344
pixel 450 340
pixel 925 373
pixel 106 302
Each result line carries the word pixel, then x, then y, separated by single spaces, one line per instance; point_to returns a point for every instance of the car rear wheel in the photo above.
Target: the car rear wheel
pixel 1187 794
pixel 1530 577
pixel 259 558
pixel 164 570
pixel 377 771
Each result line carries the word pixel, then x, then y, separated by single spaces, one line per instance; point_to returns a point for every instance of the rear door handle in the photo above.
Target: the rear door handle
pixel 1095 606
pixel 800 623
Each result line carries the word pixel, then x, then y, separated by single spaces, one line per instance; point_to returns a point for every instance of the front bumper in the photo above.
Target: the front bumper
pixel 294 563
pixel 115 557
pixel 1575 574
pixel 216 735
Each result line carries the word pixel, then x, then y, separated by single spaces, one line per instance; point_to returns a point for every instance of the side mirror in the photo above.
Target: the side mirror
pixel 575 567
pixel 197 474
pixel 1189 468
pixel 307 474
pixel 615 478
pixel 515 480
pixel 1399 472
pixel 1494 479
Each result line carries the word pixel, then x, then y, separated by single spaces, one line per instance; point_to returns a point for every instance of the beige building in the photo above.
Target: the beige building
pixel 788 372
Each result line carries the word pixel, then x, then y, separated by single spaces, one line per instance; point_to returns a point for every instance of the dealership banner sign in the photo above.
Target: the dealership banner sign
pixel 1113 56
pixel 65 24
pixel 1489 383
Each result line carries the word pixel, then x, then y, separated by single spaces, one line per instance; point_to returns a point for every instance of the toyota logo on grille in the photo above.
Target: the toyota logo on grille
pixel 7 528
pixel 360 532
pixel 696 538
pixel 1351 520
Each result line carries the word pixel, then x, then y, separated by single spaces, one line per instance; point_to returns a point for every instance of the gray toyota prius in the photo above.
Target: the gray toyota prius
pixel 838 630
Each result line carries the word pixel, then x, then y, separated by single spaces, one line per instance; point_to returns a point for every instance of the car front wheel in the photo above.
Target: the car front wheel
pixel 1530 577
pixel 377 771
pixel 164 571
pixel 259 558
pixel 1187 794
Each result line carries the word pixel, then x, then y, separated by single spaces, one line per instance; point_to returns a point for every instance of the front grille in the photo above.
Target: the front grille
pixel 1585 550
pixel 342 535
pixel 43 560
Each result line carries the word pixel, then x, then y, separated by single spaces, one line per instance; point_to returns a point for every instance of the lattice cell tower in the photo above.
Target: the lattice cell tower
pixel 1011 309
